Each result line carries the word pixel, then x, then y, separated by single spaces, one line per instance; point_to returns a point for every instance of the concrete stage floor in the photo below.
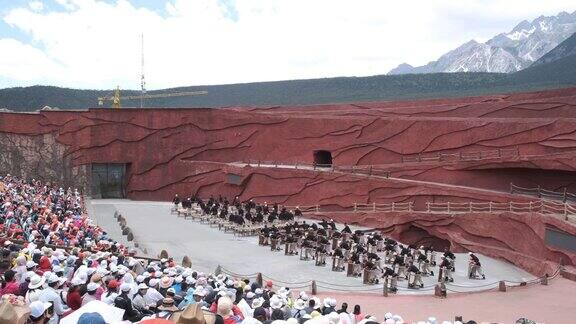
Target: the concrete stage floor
pixel 157 229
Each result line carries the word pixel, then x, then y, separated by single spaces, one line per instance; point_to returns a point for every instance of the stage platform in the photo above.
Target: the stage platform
pixel 156 229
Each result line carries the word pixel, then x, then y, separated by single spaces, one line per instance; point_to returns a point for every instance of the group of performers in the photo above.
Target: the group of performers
pixel 240 212
pixel 360 253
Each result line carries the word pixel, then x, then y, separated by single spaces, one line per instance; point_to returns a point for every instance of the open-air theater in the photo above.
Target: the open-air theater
pixel 463 209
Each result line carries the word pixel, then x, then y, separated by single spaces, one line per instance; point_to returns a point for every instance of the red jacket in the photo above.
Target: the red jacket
pixel 74 300
pixel 11 288
pixel 44 264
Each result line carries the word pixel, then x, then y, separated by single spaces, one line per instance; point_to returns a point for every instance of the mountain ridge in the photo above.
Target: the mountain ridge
pixel 505 52
pixel 558 73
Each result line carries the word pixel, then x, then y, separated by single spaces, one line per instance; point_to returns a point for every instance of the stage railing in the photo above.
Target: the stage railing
pixel 564 211
pixel 314 286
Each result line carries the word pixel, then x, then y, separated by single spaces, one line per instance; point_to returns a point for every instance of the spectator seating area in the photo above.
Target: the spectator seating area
pixel 59 267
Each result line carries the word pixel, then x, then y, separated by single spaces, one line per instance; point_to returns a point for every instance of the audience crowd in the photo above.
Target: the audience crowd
pixel 56 262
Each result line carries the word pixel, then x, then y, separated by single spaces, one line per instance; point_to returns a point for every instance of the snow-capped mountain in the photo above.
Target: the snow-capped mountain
pixel 507 52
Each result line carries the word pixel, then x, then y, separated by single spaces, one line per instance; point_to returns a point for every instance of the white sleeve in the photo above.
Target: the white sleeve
pixel 59 307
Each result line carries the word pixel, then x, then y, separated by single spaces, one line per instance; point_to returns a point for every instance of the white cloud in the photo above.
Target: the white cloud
pixel 30 64
pixel 36 5
pixel 96 44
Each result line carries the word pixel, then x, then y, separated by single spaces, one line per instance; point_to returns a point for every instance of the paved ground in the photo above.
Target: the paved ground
pixel 552 304
pixel 157 229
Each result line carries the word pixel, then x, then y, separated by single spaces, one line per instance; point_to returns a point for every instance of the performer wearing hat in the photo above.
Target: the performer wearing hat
pixel 416 274
pixel 355 259
pixel 475 268
pixel 176 201
pixel 320 255
pixel 371 271
pixel 392 278
pixel 338 262
pixel 445 265
pixel 451 257
pixel 399 262
pixel 424 264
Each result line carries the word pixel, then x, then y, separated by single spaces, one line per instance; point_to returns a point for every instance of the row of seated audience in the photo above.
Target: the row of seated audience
pixel 91 271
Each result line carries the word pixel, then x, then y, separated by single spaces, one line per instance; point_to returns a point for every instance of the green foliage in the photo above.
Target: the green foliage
pixel 560 73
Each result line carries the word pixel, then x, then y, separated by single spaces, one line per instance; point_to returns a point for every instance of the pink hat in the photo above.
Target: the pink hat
pixel 166 282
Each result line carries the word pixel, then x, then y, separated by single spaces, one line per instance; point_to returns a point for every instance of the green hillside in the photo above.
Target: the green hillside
pixel 559 73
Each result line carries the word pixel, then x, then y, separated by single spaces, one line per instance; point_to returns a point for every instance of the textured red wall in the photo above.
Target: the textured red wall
pixel 189 151
pixel 157 141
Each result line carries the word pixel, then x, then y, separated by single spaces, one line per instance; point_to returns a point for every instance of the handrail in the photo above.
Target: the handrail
pixel 539 192
pixel 354 169
pixel 461 156
pixel 544 207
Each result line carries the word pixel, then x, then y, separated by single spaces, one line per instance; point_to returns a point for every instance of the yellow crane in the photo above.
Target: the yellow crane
pixel 117 98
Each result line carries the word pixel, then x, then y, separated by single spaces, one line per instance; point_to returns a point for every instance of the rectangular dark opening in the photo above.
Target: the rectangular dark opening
pixel 323 158
pixel 108 180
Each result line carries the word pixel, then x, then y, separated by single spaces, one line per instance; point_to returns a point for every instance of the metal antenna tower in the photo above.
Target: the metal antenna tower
pixel 142 80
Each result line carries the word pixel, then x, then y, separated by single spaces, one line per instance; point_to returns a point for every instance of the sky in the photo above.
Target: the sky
pixel 96 44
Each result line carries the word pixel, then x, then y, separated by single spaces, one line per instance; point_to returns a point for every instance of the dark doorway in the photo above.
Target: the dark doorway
pixel 323 158
pixel 108 180
pixel 418 236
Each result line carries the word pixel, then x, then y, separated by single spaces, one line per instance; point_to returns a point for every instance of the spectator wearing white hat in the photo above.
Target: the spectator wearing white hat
pixel 199 294
pixel 139 301
pixel 177 285
pixel 34 288
pixel 90 294
pixel 50 294
pixel 329 306
pixel 299 308
pixel 40 312
pixel 153 296
pixel 128 278
pixel 31 265
pixel 123 301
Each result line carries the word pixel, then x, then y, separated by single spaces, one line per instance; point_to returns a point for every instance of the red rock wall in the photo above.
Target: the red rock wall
pixel 189 150
pixel 150 139
pixel 333 190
